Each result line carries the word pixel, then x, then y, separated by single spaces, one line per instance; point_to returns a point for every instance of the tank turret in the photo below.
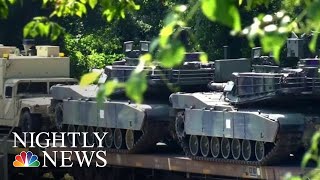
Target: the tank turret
pixel 192 73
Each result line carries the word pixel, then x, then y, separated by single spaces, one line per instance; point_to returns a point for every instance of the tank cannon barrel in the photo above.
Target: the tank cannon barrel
pixel 219 87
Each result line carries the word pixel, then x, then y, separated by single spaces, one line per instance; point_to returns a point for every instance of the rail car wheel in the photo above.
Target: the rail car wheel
pixel 130 139
pixel 204 146
pixel 225 148
pixel 100 133
pixel 194 145
pixel 70 128
pixel 246 150
pixel 215 147
pixel 118 139
pixel 80 138
pixel 236 148
pixel 109 138
pixel 179 126
pixel 59 117
pixel 90 135
pixel 259 150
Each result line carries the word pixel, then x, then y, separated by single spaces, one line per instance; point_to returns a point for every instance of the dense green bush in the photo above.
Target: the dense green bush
pixel 91 50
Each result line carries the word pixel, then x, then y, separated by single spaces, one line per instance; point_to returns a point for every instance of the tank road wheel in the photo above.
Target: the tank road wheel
pixel 80 138
pixel 236 148
pixel 59 116
pixel 118 139
pixel 259 150
pixel 130 139
pixel 109 138
pixel 204 146
pixel 194 145
pixel 225 148
pixel 246 150
pixel 71 128
pixel 90 135
pixel 215 147
pixel 179 126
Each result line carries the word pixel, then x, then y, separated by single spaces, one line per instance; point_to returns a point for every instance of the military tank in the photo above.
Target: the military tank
pixel 258 118
pixel 134 127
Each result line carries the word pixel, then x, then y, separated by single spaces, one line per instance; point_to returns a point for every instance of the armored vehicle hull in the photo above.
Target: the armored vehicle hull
pixel 131 127
pixel 207 127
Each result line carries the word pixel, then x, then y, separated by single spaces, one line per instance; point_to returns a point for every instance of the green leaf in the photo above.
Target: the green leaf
pixel 44 2
pixel 249 4
pixel 27 28
pixel 146 57
pixel 122 14
pixel 181 8
pixel 56 30
pixel 223 11
pixel 313 42
pixel 136 86
pixel 315 141
pixel 93 3
pixel 154 44
pixel 110 87
pixel 313 11
pixel 89 78
pixel 165 33
pixel 204 58
pixel 273 43
pixel 46 29
pixel 171 55
pixel 41 28
pixel 306 158
pixel 12 1
pixel 171 18
pixel 101 94
pixel 80 9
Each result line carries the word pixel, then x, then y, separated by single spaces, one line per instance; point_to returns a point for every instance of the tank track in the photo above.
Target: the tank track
pixel 285 144
pixel 152 134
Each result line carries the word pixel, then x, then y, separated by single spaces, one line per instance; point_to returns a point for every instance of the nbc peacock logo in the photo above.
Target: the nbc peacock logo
pixel 26 159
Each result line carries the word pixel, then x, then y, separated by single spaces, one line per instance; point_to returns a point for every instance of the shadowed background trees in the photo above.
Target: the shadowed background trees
pixel 91 42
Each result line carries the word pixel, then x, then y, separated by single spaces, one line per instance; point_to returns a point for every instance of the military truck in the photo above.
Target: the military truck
pixel 25 81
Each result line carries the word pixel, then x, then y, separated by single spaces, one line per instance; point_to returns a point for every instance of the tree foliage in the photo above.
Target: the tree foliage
pixel 92 50
pixel 269 29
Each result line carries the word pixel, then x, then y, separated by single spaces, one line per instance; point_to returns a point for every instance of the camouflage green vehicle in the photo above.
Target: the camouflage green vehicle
pixel 132 127
pixel 25 80
pixel 257 118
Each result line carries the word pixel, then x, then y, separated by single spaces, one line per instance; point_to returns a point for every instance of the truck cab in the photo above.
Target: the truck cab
pixel 25 82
